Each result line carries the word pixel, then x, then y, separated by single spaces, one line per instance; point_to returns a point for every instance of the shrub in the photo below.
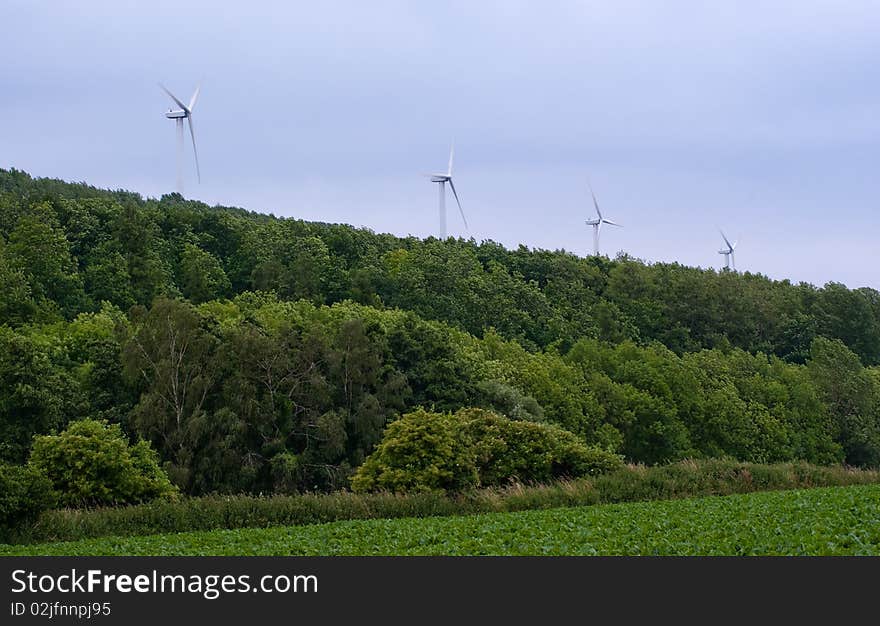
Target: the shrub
pixel 421 451
pixel 24 494
pixel 474 448
pixel 508 450
pixel 91 463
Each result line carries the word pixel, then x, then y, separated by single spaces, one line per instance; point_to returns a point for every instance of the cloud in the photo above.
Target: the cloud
pixel 686 114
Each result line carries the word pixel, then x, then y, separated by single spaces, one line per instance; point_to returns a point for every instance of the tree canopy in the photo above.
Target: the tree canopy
pixel 262 354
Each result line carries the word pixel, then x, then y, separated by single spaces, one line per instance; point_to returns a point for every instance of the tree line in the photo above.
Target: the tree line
pixel 258 394
pixel 258 354
pixel 66 248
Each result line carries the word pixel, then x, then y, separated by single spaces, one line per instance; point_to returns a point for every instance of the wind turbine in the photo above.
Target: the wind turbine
pixel 597 223
pixel 729 257
pixel 179 115
pixel 442 179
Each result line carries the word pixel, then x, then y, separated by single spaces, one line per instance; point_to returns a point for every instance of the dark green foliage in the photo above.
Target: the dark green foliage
pixel 227 388
pixel 172 359
pixel 17 304
pixel 424 451
pixel 39 249
pixel 851 317
pixel 37 392
pixel 63 237
pixel 91 463
pixel 852 395
pixel 222 389
pixel 289 388
pixel 24 494
pixel 201 277
pixel 707 404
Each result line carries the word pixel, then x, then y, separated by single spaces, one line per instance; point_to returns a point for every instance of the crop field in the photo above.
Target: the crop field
pixel 823 521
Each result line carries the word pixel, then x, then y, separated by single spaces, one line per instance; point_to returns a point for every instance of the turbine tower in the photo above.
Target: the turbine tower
pixel 597 223
pixel 179 115
pixel 729 257
pixel 442 179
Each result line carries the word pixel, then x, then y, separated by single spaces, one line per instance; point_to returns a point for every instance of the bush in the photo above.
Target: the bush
pixel 474 448
pixel 507 450
pixel 421 451
pixel 91 463
pixel 24 494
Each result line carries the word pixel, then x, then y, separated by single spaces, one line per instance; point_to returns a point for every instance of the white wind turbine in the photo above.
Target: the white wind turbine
pixel 597 223
pixel 442 179
pixel 729 256
pixel 179 115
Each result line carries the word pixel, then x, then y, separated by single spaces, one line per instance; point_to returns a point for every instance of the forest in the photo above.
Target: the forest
pixel 227 351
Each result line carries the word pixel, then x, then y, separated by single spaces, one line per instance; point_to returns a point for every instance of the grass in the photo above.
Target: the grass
pixel 632 484
pixel 821 521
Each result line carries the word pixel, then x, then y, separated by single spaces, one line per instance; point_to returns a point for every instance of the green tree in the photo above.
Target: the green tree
pixel 24 494
pixel 91 463
pixel 38 248
pixel 424 451
pixel 201 277
pixel 106 276
pixel 139 241
pixel 172 360
pixel 17 304
pixel 852 396
pixel 37 394
pixel 851 317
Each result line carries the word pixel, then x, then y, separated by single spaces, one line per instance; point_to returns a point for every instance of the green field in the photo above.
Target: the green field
pixel 834 520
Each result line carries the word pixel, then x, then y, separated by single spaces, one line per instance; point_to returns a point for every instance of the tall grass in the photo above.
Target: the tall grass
pixel 633 483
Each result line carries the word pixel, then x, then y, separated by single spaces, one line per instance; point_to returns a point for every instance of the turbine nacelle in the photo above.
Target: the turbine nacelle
pixel 175 115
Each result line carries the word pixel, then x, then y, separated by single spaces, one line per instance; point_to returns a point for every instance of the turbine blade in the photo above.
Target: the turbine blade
pixel 195 96
pixel 612 223
pixel 724 237
pixel 595 202
pixel 195 152
pixel 173 97
pixel 451 154
pixel 458 202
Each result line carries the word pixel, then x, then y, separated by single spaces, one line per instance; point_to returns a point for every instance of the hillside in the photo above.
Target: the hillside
pixel 69 247
pixel 261 354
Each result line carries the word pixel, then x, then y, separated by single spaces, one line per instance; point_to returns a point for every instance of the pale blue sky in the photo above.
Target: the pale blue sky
pixel 759 117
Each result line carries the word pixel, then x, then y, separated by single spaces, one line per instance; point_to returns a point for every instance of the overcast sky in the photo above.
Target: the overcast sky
pixel 762 118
